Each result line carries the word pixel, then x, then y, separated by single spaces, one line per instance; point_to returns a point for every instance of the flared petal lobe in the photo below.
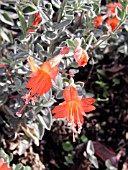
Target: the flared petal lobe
pixel 112 6
pixel 61 111
pixel 71 94
pixel 113 22
pixel 88 101
pixel 80 56
pixel 99 20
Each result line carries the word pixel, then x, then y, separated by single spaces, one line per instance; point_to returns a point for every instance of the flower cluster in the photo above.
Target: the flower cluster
pixel 110 18
pixel 40 82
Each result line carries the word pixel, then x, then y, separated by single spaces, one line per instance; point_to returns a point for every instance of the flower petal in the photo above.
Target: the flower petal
pixel 64 50
pixel 99 20
pixel 53 72
pixel 87 101
pixel 46 67
pixel 80 56
pixel 113 22
pixel 112 6
pixel 39 84
pixel 33 66
pixel 88 108
pixel 59 108
pixel 61 111
pixel 66 95
pixel 74 94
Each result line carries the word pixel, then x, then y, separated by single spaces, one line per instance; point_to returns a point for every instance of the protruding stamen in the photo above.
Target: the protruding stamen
pixel 19 114
pixel 27 97
pixel 34 99
pixel 79 127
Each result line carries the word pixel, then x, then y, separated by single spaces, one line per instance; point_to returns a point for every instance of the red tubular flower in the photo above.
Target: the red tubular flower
pixel 99 20
pixel 65 50
pixel 35 23
pixel 37 20
pixel 31 31
pixel 113 22
pixel 112 6
pixel 3 165
pixel 80 56
pixel 41 79
pixel 73 109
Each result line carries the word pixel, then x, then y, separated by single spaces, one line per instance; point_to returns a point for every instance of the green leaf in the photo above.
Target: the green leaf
pixel 3 99
pixel 29 10
pixel 41 130
pixel 48 103
pixel 59 94
pixel 67 146
pixel 116 81
pixel 59 82
pixel 118 13
pixel 63 24
pixel 18 167
pixel 27 168
pixel 69 16
pixel 22 20
pixel 90 148
pixel 84 138
pixel 36 2
pixel 23 145
pixel 94 161
pixel 89 39
pixel 32 131
pixel 70 43
pixel 6 19
pixel 4 35
pixel 73 71
pixel 96 8
pixel 46 119
pixel 56 3
pixel 109 165
pixel 51 35
pixel 69 158
pixel 44 16
pixel 10 157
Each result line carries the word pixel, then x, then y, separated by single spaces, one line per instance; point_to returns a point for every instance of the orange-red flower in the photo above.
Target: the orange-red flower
pixel 3 165
pixel 31 31
pixel 41 79
pixel 113 22
pixel 112 6
pixel 64 50
pixel 99 20
pixel 37 20
pixel 80 56
pixel 73 109
pixel 35 23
